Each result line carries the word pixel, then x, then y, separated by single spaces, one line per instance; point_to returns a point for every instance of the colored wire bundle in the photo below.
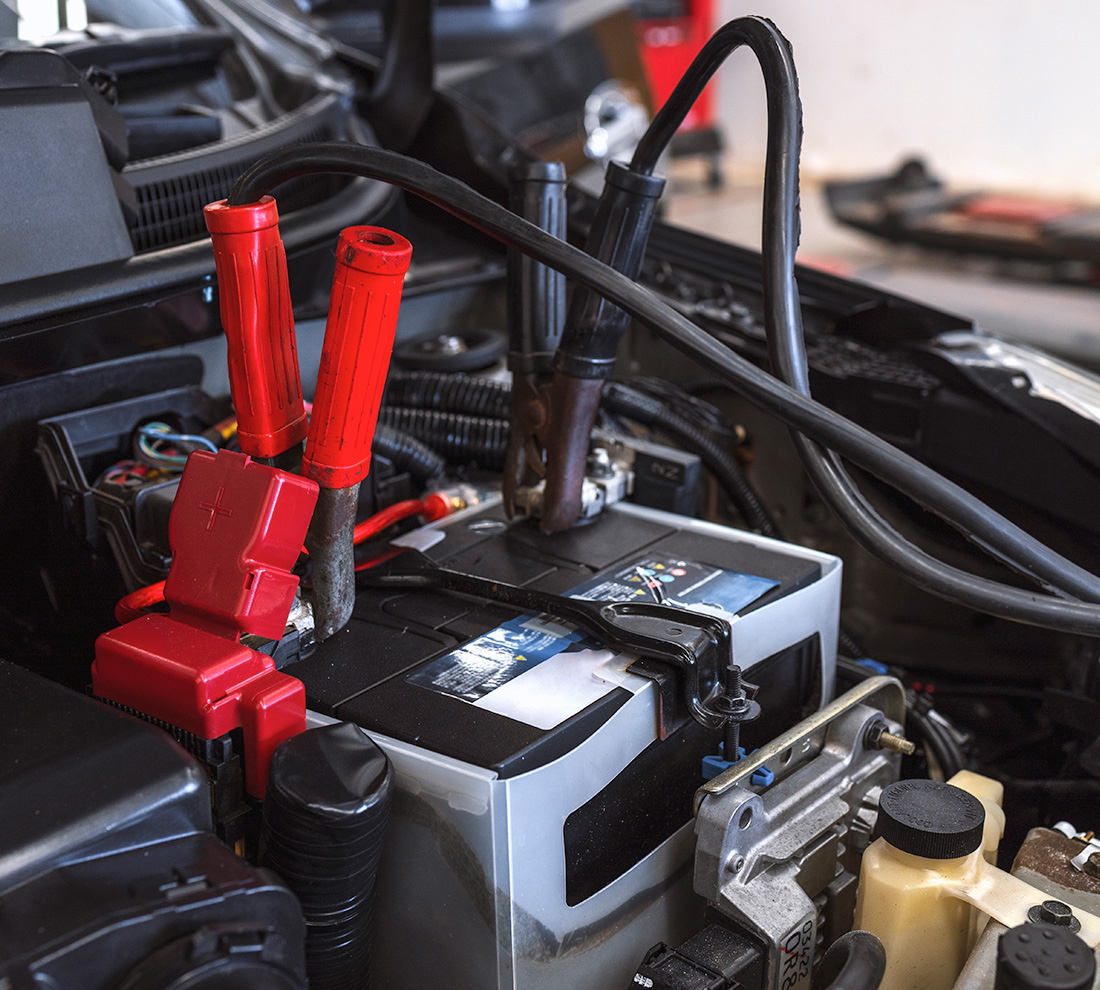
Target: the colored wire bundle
pixel 158 445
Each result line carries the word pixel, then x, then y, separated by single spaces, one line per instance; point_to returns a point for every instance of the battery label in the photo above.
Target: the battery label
pixel 680 583
pixel 488 662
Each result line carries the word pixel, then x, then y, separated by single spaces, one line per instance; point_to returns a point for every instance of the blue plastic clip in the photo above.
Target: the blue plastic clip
pixel 714 765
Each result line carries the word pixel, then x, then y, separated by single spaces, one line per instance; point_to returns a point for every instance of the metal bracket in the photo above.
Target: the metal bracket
pixel 782 861
pixel 806 739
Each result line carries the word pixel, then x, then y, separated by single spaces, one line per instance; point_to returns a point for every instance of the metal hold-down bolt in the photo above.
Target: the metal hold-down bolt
pixel 735 708
pixel 1054 913
pixel 879 737
pixel 1092 866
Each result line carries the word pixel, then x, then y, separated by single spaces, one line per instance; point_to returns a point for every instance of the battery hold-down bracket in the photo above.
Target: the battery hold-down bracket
pixel 699 646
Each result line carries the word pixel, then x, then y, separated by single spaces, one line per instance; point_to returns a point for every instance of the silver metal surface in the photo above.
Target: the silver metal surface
pixel 614 483
pixel 1090 848
pixel 765 856
pixel 805 739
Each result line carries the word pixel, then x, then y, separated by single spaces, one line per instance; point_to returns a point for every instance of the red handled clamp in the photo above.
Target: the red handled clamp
pixel 355 359
pixel 263 373
pixel 362 318
pixel 254 298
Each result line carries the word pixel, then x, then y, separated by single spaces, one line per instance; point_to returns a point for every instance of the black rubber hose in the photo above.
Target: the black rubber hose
pixel 855 961
pixel 407 453
pixel 458 439
pixel 783 316
pixel 624 401
pixel 936 493
pixel 448 393
pixel 937 737
pixel 757 33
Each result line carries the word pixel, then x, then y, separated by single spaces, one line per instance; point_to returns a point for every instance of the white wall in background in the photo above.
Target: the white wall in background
pixel 39 18
pixel 1001 93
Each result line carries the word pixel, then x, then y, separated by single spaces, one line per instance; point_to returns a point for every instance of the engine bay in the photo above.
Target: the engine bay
pixel 427 565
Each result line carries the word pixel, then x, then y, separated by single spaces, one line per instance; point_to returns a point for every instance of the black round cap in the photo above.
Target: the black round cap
pixel 927 818
pixel 1043 957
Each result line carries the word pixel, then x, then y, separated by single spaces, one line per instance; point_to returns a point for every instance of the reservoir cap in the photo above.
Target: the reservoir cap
pixel 1043 957
pixel 927 818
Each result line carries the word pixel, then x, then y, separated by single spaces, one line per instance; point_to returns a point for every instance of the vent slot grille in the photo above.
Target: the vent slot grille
pixel 170 209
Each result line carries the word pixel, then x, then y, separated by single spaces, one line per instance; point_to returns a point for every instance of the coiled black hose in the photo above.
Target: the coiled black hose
pixel 407 453
pixel 448 393
pixel 855 961
pixel 460 394
pixel 325 814
pixel 624 401
pixel 459 439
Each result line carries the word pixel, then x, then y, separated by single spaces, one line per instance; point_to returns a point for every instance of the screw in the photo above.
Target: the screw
pixel 445 344
pixel 896 744
pixel 733 708
pixel 1092 866
pixel 1054 913
pixel 731 740
pixel 879 738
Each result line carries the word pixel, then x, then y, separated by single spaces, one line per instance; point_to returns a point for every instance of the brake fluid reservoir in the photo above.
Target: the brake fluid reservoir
pixel 929 831
pixel 991 793
pixel 925 885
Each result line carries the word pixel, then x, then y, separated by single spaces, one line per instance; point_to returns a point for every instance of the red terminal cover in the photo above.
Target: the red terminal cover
pixel 236 530
pixel 366 294
pixel 254 296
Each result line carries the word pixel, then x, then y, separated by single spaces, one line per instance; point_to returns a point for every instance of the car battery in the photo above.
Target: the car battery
pixel 541 830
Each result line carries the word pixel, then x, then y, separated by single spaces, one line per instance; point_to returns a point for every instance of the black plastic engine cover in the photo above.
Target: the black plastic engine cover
pixel 108 870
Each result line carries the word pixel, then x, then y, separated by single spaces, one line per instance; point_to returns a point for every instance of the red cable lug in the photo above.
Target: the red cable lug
pixel 254 298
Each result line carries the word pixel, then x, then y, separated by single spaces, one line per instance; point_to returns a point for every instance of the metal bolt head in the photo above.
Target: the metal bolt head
pixel 1092 866
pixel 599 463
pixel 445 344
pixel 1054 913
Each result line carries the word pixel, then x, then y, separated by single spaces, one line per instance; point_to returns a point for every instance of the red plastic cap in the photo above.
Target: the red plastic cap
pixel 254 298
pixel 236 530
pixel 362 318
pixel 374 250
pixel 221 218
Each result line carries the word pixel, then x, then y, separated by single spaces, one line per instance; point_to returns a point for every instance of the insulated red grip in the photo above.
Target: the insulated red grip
pixel 362 316
pixel 254 295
